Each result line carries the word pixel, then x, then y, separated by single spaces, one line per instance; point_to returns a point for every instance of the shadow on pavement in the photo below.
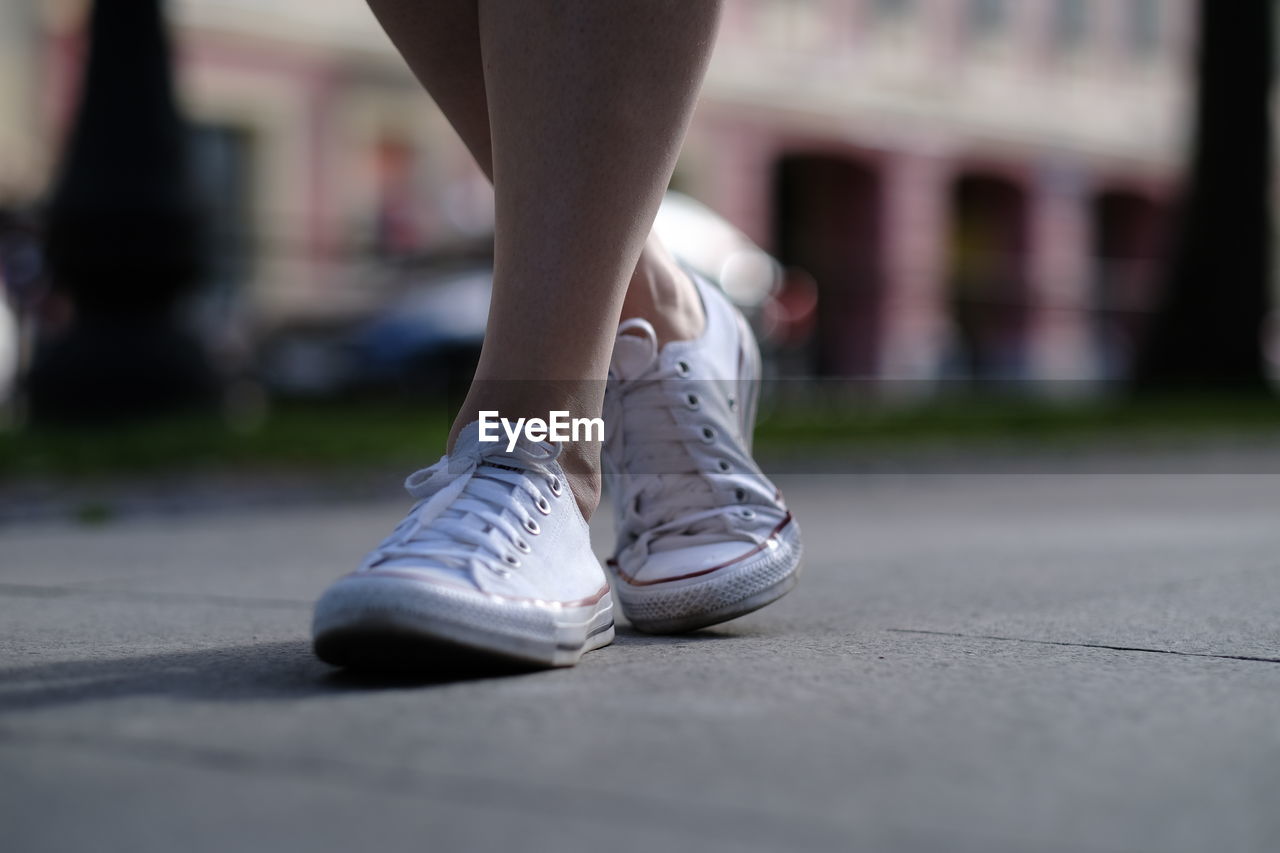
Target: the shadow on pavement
pixel 278 670
pixel 259 671
pixel 631 637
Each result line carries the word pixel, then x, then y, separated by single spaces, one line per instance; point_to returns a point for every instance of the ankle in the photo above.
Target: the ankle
pixel 661 292
pixel 581 464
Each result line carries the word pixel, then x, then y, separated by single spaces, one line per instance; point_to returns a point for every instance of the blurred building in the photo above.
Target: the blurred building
pixel 319 154
pixel 978 187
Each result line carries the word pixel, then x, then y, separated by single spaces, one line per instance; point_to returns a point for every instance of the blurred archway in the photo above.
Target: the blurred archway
pixel 827 221
pixel 1127 240
pixel 988 292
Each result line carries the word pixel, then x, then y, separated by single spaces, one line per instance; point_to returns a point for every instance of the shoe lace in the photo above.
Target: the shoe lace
pixel 465 516
pixel 667 500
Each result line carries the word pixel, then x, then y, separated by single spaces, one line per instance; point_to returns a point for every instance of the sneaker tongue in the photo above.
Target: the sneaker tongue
pixel 635 349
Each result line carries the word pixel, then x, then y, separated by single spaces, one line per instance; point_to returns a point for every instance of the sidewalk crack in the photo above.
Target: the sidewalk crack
pixel 1101 646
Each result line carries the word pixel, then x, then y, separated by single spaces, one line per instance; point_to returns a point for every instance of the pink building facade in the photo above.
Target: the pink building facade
pixel 978 188
pixel 976 197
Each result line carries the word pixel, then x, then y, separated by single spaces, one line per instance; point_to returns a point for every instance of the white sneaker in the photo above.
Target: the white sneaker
pixel 703 536
pixel 493 560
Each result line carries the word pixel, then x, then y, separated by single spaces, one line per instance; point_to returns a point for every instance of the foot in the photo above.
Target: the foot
pixel 703 535
pixel 494 561
pixel 663 292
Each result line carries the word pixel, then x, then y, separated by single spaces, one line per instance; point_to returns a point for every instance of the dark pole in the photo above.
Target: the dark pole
pixel 123 235
pixel 1208 332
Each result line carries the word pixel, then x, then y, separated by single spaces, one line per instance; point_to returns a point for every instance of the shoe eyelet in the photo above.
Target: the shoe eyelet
pixel 733 404
pixel 510 560
pixel 523 547
pixel 708 435
pixel 554 485
pixel 740 494
pixel 543 505
pixel 748 514
pixel 724 465
pixel 682 368
pixel 532 526
pixel 693 402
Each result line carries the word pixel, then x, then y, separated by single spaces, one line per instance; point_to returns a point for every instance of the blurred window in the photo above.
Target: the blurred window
pixel 1144 24
pixel 1070 23
pixel 988 18
pixel 791 25
pixel 893 11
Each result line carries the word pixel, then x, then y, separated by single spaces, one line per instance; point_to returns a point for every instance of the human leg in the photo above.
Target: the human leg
pixel 587 105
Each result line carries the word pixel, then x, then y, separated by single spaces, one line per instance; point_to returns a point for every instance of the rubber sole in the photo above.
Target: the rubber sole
pixel 397 650
pixel 697 621
pixel 393 623
pixel 688 605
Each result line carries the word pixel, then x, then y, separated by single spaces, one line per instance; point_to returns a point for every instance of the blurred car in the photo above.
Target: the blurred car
pixel 426 337
pixel 8 350
pixel 21 285
pixel 423 340
pixel 705 241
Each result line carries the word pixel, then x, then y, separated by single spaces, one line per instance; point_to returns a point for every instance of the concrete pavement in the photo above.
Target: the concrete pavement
pixel 1024 661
